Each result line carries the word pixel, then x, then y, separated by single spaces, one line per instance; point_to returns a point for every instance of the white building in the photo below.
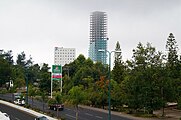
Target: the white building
pixel 63 56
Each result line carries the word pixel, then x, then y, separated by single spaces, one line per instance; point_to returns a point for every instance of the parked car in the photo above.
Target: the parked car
pixel 56 106
pixel 19 102
pixel 18 98
pixel 41 118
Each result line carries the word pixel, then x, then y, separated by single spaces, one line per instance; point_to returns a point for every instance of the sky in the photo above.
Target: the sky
pixel 37 26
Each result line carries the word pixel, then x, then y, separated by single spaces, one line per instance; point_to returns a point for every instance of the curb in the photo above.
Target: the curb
pixel 26 110
pixel 117 113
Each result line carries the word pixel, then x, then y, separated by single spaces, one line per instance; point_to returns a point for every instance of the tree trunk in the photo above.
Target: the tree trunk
pixel 57 113
pixel 163 111
pixel 32 101
pixel 77 112
pixel 43 107
pixel 163 106
pixel 102 105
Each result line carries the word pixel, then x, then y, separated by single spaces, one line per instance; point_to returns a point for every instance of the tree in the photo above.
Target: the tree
pixel 80 60
pixel 8 56
pixel 44 98
pixel 21 59
pixel 140 86
pixel 172 48
pixel 99 70
pixel 116 95
pixel 173 66
pixel 119 68
pixel 58 98
pixel 82 73
pixel 33 73
pixel 22 67
pixel 67 84
pixel 32 92
pixel 45 80
pixel 117 55
pixel 76 96
pixel 102 91
pixel 19 83
pixel 6 63
pixel 88 82
pixel 5 71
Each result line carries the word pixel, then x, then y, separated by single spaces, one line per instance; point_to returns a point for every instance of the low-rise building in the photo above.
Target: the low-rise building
pixel 64 56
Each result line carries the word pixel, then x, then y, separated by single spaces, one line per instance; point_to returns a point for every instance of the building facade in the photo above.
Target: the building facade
pixel 98 37
pixel 64 56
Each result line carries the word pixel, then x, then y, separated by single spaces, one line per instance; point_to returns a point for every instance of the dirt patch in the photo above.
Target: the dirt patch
pixel 170 114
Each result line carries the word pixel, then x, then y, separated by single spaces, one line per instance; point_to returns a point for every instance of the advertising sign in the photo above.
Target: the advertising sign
pixel 56 72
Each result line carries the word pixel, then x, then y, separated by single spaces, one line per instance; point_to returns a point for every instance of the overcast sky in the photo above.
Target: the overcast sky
pixel 37 26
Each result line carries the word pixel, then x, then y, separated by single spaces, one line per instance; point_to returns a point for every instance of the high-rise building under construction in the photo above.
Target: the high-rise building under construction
pixel 98 37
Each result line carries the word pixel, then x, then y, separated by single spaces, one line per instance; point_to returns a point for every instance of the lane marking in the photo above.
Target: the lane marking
pixel 70 116
pixel 67 109
pixel 17 119
pixel 99 117
pixel 88 114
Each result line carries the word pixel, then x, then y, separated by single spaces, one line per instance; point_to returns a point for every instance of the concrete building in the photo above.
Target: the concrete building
pixel 64 56
pixel 98 37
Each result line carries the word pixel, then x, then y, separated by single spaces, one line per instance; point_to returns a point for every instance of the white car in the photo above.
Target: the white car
pixel 4 116
pixel 19 101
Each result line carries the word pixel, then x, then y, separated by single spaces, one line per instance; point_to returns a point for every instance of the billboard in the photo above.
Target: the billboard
pixel 56 72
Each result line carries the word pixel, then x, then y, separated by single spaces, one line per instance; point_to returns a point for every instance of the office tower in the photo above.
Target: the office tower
pixel 63 56
pixel 98 37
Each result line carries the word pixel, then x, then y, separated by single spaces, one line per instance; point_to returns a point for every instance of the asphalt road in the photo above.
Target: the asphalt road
pixel 87 114
pixel 69 112
pixel 16 114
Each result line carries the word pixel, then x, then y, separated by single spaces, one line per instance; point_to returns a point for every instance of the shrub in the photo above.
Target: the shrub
pixel 51 101
pixel 3 91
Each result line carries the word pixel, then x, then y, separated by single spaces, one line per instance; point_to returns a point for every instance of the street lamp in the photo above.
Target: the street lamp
pixel 109 84
pixel 26 77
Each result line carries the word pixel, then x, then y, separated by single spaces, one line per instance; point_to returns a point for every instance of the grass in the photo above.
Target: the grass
pixel 145 115
pixel 139 113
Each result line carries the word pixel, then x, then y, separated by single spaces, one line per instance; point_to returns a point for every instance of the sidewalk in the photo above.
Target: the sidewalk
pixel 170 114
pixel 26 110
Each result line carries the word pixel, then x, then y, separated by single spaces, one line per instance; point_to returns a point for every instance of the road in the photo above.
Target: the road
pixel 88 114
pixel 16 114
pixel 69 112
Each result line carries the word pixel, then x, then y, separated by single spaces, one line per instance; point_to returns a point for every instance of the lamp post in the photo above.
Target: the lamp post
pixel 109 84
pixel 109 87
pixel 26 77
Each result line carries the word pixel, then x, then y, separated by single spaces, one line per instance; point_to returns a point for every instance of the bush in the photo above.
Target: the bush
pixel 27 106
pixel 51 101
pixel 12 90
pixel 3 91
